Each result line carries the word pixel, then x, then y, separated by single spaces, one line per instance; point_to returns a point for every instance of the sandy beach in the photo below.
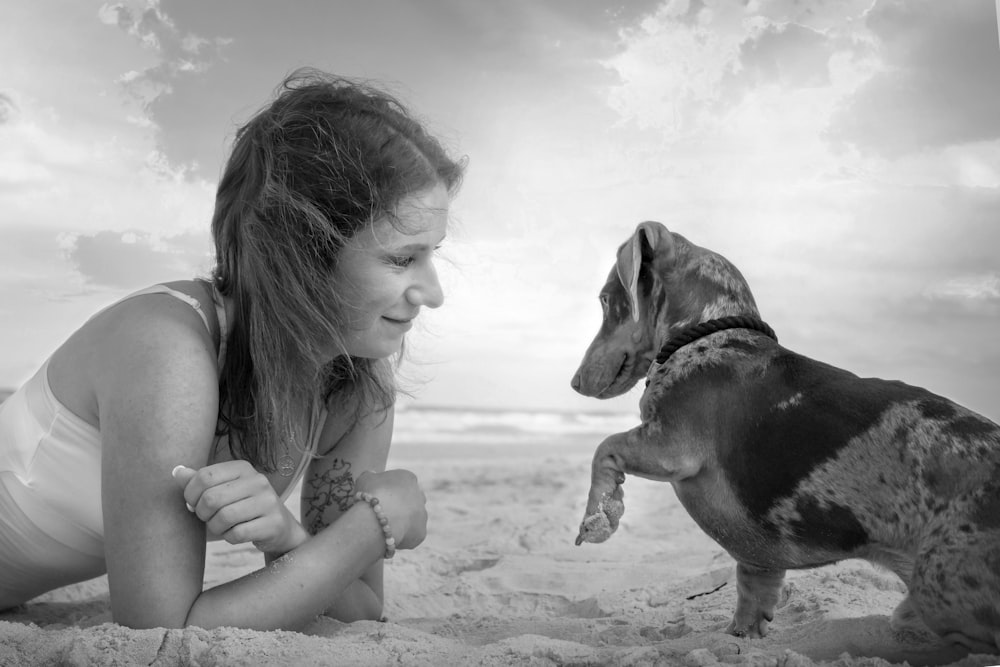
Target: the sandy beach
pixel 499 581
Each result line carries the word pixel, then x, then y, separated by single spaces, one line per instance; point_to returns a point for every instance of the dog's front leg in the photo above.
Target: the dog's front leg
pixel 604 502
pixel 758 593
pixel 643 451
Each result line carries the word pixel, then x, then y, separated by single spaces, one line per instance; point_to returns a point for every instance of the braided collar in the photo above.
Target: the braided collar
pixel 696 331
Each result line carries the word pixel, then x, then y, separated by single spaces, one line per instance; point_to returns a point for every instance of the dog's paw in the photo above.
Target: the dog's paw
pixel 750 628
pixel 595 528
pixel 612 506
pixel 598 526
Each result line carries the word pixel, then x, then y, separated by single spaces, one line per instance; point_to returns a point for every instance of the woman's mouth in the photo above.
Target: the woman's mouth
pixel 405 325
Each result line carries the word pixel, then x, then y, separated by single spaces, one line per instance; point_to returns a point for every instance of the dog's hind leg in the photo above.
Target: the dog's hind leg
pixel 905 618
pixel 955 588
pixel 758 594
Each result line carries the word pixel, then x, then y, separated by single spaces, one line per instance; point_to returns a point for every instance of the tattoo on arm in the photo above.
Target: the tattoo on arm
pixel 335 485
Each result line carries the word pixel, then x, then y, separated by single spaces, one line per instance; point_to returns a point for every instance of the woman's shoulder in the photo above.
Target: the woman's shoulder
pixel 164 315
pixel 140 335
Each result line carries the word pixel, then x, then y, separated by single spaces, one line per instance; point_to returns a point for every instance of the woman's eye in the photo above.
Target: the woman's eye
pixel 402 262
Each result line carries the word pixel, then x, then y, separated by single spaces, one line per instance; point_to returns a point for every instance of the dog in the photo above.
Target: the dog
pixel 788 462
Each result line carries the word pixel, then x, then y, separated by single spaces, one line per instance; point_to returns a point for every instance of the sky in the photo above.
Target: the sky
pixel 844 154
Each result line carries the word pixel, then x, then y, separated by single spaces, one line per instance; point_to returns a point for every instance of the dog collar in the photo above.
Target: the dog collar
pixel 696 331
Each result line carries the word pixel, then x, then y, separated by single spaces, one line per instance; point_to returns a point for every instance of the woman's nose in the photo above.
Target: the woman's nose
pixel 426 291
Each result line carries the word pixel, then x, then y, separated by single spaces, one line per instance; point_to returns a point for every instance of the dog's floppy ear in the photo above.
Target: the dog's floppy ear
pixel 650 238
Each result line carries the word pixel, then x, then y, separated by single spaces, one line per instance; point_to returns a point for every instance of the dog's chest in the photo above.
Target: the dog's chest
pixel 713 506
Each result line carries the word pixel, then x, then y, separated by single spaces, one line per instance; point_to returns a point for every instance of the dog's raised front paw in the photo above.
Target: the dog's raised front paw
pixel 598 526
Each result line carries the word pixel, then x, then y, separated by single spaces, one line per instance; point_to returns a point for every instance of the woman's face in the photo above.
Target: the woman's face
pixel 389 274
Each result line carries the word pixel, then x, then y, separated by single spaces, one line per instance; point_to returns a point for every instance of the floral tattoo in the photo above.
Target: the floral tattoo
pixel 335 485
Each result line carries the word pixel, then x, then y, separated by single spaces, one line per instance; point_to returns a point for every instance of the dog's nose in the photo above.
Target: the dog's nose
pixel 575 382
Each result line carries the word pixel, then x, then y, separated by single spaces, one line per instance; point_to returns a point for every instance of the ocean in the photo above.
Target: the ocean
pixel 485 427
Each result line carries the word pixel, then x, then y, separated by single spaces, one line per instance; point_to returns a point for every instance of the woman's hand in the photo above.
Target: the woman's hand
pixel 403 503
pixel 238 503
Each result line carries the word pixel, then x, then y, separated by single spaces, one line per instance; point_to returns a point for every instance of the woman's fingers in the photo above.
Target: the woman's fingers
pixel 229 498
pixel 182 475
pixel 268 532
pixel 241 516
pixel 238 503
pixel 215 482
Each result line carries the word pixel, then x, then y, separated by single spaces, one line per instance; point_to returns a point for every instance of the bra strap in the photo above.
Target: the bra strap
pixel 220 314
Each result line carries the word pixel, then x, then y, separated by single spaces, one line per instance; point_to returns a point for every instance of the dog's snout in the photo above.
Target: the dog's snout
pixel 575 382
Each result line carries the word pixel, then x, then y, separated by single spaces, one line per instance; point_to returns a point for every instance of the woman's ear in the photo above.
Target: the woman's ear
pixel 650 239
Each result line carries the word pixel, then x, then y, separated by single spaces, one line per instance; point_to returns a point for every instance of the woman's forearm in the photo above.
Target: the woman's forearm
pixel 357 602
pixel 294 589
pixel 297 535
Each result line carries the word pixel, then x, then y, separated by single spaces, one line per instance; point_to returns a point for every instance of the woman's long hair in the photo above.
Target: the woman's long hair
pixel 323 161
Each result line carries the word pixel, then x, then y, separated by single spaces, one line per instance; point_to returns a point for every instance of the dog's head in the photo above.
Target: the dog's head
pixel 660 283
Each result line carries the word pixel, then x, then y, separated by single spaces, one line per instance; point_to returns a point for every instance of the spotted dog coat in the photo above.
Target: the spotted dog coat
pixel 788 462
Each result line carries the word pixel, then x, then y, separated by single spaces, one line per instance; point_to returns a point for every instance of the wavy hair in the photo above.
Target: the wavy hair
pixel 324 160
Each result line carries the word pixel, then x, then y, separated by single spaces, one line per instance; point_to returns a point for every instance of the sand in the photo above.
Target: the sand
pixel 499 581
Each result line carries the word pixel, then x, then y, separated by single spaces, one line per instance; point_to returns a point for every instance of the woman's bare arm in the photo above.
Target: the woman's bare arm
pixel 328 492
pixel 157 398
pixel 156 386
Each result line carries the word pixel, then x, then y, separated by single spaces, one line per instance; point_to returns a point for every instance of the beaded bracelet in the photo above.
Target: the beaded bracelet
pixel 390 542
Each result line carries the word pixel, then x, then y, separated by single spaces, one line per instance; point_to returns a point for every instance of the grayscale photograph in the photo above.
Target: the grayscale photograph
pixel 514 332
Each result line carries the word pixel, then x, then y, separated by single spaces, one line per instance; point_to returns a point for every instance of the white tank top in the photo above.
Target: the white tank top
pixel 50 458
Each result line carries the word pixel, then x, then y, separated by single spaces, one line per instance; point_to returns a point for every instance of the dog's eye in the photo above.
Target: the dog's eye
pixel 604 303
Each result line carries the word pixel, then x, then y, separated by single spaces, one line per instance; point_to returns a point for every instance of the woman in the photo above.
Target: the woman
pixel 189 410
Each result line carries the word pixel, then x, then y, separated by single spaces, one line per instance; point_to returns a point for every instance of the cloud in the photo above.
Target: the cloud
pixel 738 104
pixel 179 53
pixel 899 78
pixel 973 165
pixel 32 153
pixel 61 173
pixel 938 81
pixel 671 68
pixel 789 55
pixel 684 68
pixel 133 259
pixel 8 108
pixel 828 16
pixel 975 288
pixel 930 232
